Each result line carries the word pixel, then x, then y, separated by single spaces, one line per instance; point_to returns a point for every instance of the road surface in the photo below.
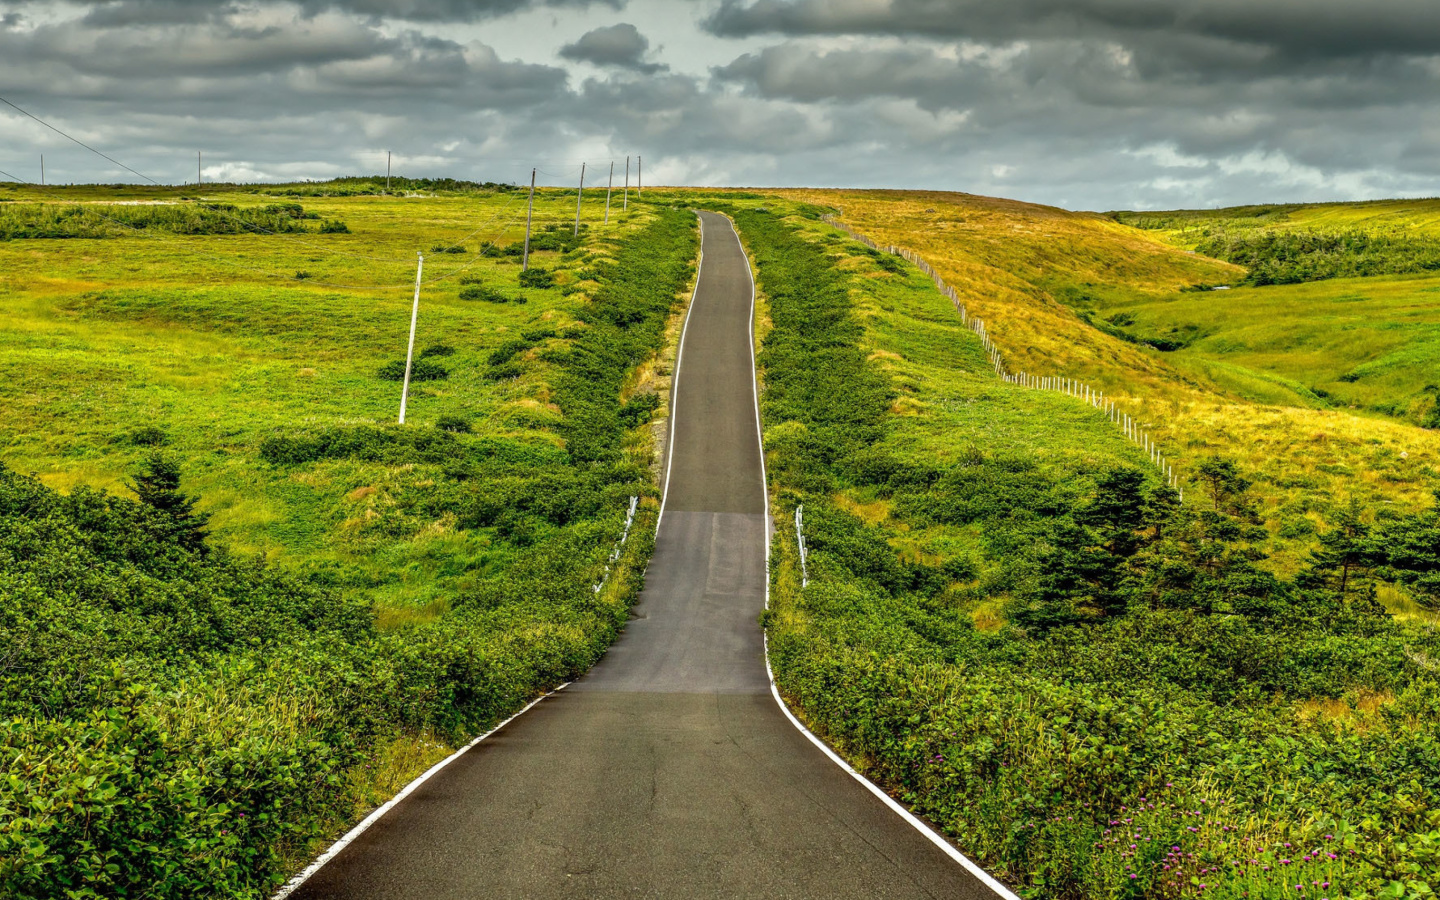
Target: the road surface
pixel 669 771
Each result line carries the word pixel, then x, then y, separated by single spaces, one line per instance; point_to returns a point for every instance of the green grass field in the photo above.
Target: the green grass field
pixel 214 340
pixel 1018 632
pixel 1371 345
pixel 1010 623
pixel 369 594
pixel 1366 342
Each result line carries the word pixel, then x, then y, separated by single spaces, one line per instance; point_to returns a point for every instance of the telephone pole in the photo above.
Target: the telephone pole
pixel 42 170
pixel 198 179
pixel 639 174
pixel 529 214
pixel 580 195
pixel 387 171
pixel 626 206
pixel 414 316
pixel 608 187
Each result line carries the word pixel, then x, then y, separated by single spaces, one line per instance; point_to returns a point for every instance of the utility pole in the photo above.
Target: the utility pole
pixel 608 187
pixel 529 214
pixel 197 168
pixel 639 174
pixel 578 197
pixel 42 170
pixel 626 206
pixel 387 171
pixel 410 353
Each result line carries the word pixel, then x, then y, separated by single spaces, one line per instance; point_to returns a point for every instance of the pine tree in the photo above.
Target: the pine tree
pixel 1345 551
pixel 157 485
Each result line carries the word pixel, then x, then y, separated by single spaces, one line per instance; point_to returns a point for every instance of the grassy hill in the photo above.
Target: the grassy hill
pixel 1048 282
pixel 1013 626
pixel 185 714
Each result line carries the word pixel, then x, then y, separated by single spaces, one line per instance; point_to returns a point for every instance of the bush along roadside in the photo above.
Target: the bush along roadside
pixel 176 722
pixel 1151 712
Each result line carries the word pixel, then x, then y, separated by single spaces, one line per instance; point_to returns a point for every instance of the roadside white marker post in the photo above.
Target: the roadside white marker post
pixel 529 214
pixel 640 175
pixel 608 188
pixel 414 317
pixel 579 195
pixel 198 177
pixel 625 207
pixel 387 171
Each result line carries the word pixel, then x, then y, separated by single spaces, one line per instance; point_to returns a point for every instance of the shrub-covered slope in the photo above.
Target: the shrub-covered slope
pixel 1084 296
pixel 183 721
pixel 1010 625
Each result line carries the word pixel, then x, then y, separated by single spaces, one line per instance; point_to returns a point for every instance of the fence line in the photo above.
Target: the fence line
pixel 1058 383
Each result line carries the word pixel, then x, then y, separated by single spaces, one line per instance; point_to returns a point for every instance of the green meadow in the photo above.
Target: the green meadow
pixel 1012 625
pixel 215 341
pixel 1370 345
pixel 240 605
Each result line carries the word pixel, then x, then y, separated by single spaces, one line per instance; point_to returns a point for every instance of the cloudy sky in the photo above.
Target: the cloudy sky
pixel 1087 104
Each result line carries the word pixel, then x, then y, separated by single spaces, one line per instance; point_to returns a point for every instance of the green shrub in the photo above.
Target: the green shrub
pixel 437 350
pixel 537 278
pixel 420 370
pixel 638 410
pixel 454 424
pixel 143 436
pixel 488 295
pixel 333 226
pixel 53 220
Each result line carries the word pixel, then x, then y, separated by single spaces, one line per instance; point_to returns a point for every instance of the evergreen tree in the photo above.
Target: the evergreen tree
pixel 1409 552
pixel 1228 489
pixel 1117 512
pixel 1345 552
pixel 157 485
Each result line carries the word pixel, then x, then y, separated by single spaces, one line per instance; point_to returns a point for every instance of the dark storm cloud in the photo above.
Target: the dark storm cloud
pixel 214 59
pixel 621 46
pixel 1298 28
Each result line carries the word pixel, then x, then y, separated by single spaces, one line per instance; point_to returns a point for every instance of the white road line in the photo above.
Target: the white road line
pixel 948 848
pixel 293 884
pixel 675 379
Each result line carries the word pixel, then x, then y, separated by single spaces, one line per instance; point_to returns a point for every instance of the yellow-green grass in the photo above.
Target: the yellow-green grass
pixel 1029 270
pixel 1367 344
pixel 98 337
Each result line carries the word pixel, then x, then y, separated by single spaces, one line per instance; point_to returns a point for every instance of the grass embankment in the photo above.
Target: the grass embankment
pixel 184 721
pixel 1017 631
pixel 1036 274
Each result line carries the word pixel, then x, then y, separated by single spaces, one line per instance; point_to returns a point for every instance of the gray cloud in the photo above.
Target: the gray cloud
pixel 620 46
pixel 1297 28
pixel 134 12
pixel 1081 103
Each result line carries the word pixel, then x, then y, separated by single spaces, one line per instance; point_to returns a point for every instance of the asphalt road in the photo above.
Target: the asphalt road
pixel 669 771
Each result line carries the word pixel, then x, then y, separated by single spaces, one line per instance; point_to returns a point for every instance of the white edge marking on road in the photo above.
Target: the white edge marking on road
pixel 945 846
pixel 675 379
pixel 293 884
